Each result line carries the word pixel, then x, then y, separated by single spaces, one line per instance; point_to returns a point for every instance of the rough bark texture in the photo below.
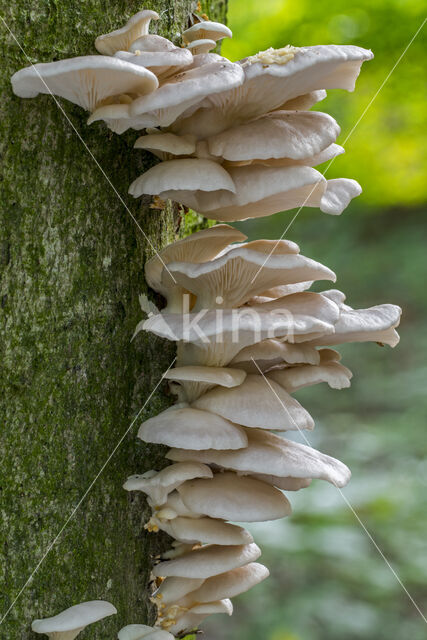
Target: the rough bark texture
pixel 71 382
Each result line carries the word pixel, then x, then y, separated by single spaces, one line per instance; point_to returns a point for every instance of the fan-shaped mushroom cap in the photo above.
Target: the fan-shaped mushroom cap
pixel 254 404
pixel 280 292
pixel 206 30
pixel 167 144
pixel 196 380
pixel 204 530
pixel 121 39
pixel 190 427
pixel 162 63
pixel 269 353
pixel 375 324
pixel 199 247
pixel 227 585
pixel 280 134
pixel 208 561
pixel 185 89
pixel 268 453
pixel 190 173
pixel 272 86
pixel 204 45
pixel 142 632
pixel 311 161
pixel 328 370
pixel 232 279
pixel 158 486
pixel 232 497
pixel 173 589
pixel 85 80
pixel 194 616
pixel 262 190
pixel 175 507
pixel 116 117
pixel 68 624
pixel 204 340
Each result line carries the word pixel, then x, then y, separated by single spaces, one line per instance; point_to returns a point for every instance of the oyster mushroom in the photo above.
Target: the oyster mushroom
pixel 68 624
pixel 206 30
pixel 122 39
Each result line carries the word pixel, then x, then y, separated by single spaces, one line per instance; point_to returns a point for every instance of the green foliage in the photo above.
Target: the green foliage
pixel 386 151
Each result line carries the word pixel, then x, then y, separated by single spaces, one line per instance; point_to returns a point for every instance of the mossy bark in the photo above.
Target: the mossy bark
pixel 71 382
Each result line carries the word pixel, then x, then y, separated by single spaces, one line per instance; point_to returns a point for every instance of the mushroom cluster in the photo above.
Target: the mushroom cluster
pixel 249 334
pixel 235 140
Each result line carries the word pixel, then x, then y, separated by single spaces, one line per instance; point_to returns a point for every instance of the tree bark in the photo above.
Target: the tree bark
pixel 72 381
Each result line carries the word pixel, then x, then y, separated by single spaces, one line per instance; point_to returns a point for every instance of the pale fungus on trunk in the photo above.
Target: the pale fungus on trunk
pixel 234 140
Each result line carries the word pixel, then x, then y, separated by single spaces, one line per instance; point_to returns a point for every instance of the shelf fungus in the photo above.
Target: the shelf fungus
pixel 234 140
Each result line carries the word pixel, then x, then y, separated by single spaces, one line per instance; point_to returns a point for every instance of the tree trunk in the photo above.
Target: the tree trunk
pixel 72 381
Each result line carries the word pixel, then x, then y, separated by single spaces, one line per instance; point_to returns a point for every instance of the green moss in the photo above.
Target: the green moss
pixel 72 269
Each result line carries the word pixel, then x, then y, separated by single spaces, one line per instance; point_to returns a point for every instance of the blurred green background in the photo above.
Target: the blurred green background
pixel 328 581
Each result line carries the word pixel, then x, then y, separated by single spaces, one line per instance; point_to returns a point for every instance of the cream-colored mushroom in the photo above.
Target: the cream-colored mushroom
pixel 270 353
pixel 193 381
pixel 268 453
pixel 191 427
pixel 203 531
pixel 161 483
pixel 329 370
pixel 121 39
pixel 198 247
pixel 202 46
pixel 167 145
pixel 206 29
pixel 232 497
pixel 227 585
pixel 68 624
pixel 194 616
pixel 232 279
pixel 86 81
pixel 257 404
pixel 207 561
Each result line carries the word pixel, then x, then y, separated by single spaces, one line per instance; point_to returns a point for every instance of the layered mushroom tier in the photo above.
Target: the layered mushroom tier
pixel 249 334
pixel 235 139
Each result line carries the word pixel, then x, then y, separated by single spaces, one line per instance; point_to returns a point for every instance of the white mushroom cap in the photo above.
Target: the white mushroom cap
pixel 152 42
pixel 329 370
pixel 255 404
pixel 375 324
pixel 209 343
pixel 198 247
pixel 262 190
pixel 232 279
pixel 188 173
pixel 143 632
pixel 280 134
pixel 271 86
pixel 269 353
pixel 196 380
pixel 158 486
pixel 175 507
pixel 227 585
pixel 85 80
pixel 208 561
pixel 116 117
pixel 167 144
pixel 204 45
pixel 190 427
pixel 121 39
pixel 162 63
pixel 233 497
pixel 204 530
pixel 194 616
pixel 68 624
pixel 173 589
pixel 206 30
pixel 185 89
pixel 280 292
pixel 304 102
pixel 330 152
pixel 268 454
